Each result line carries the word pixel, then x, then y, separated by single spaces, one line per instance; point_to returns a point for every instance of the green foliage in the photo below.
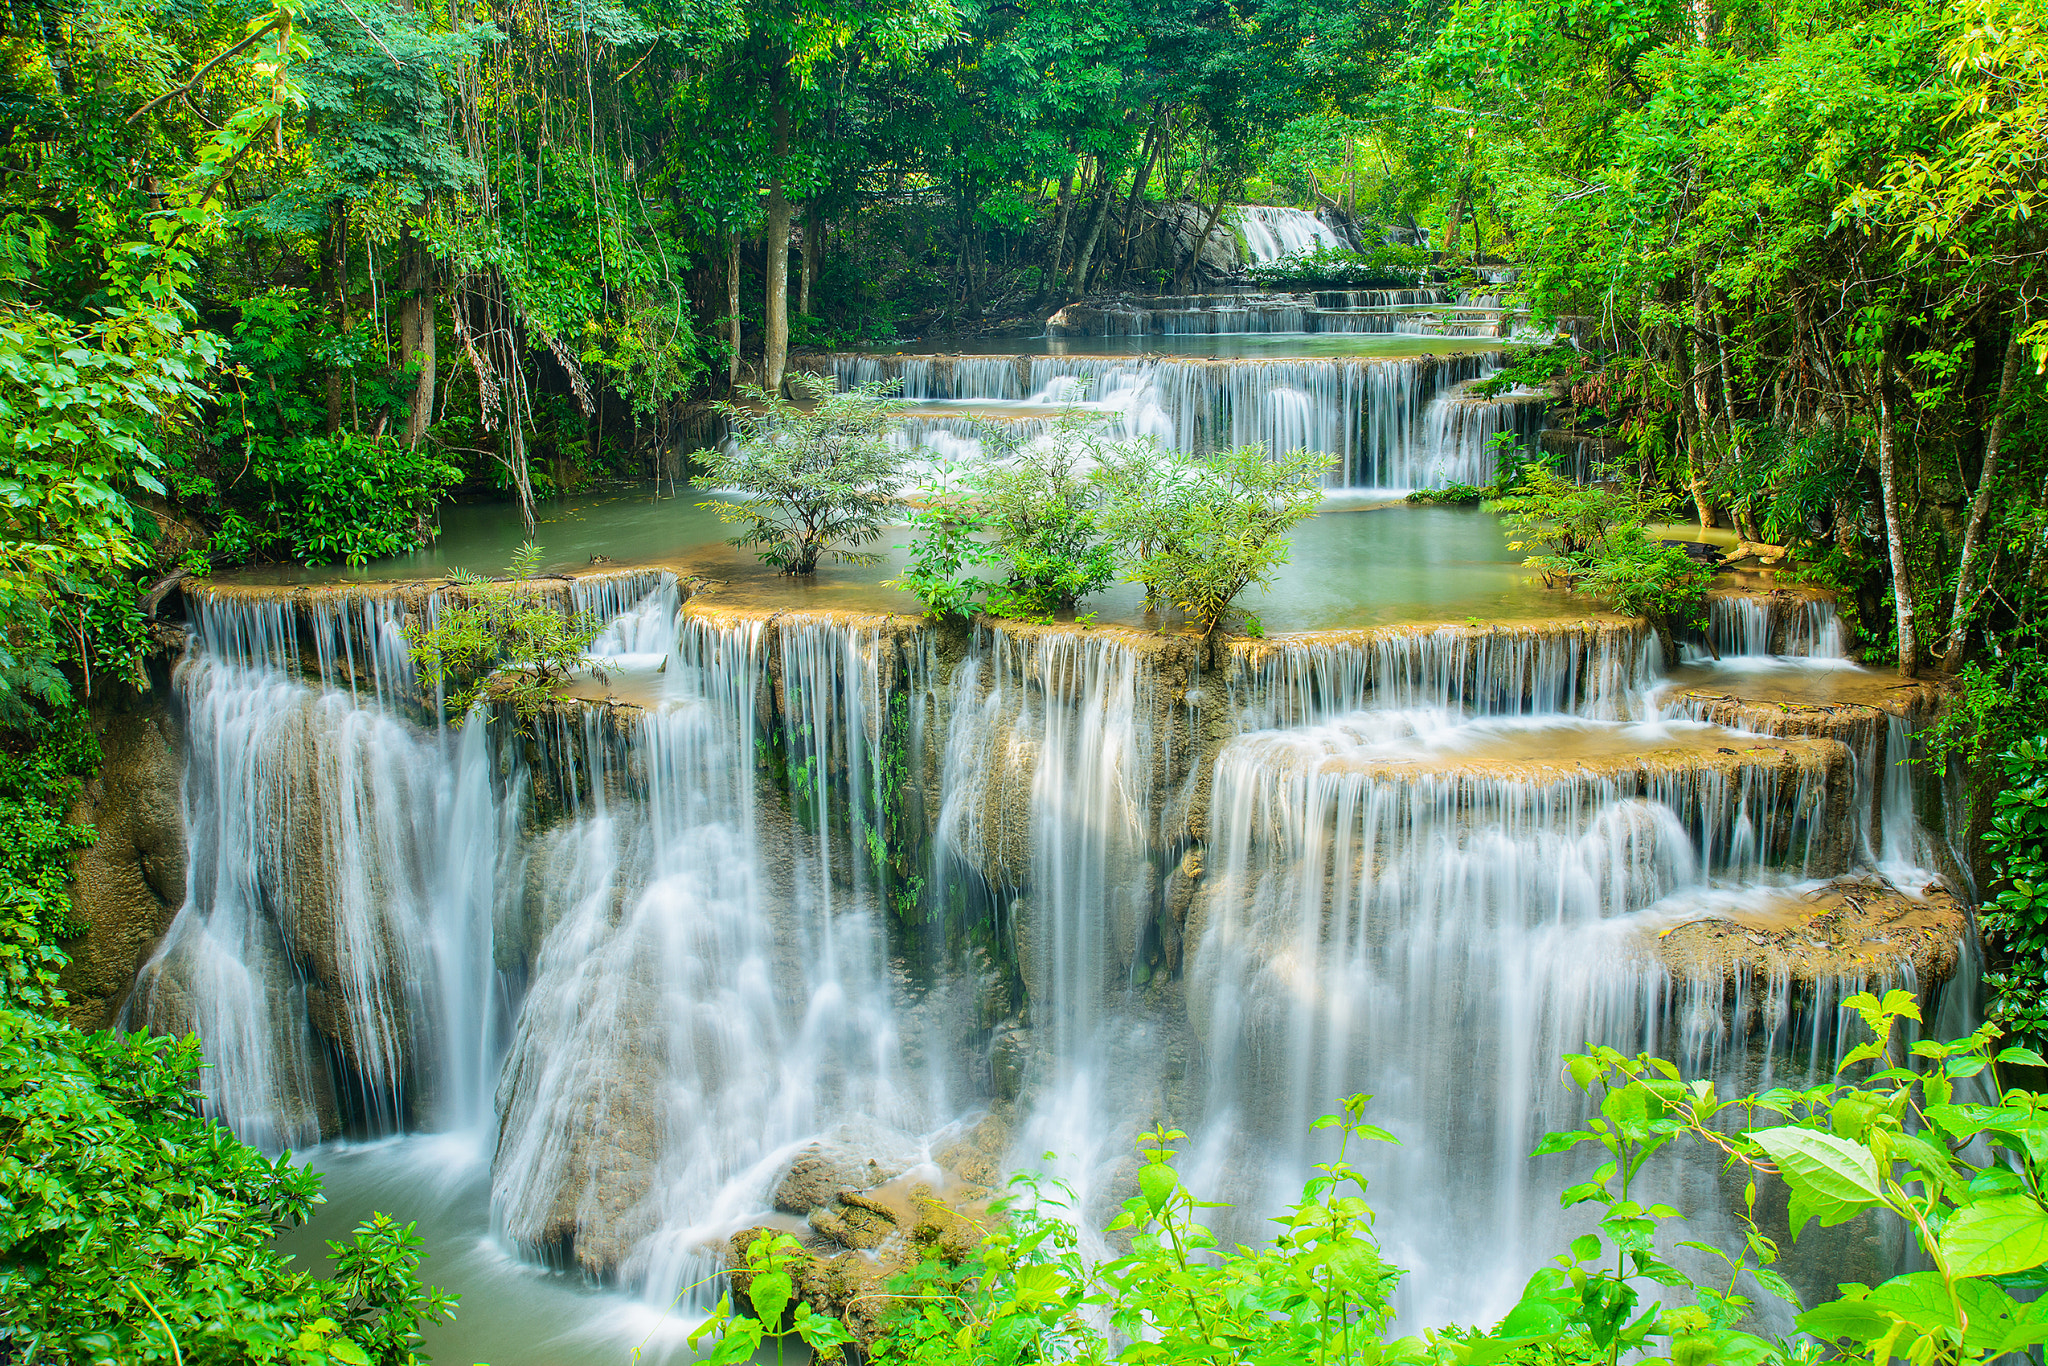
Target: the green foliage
pixel 1642 577
pixel 39 781
pixel 1450 495
pixel 498 641
pixel 771 1289
pixel 1031 511
pixel 138 1230
pixel 2015 924
pixel 818 478
pixel 83 408
pixel 1384 266
pixel 1911 1142
pixel 352 498
pixel 1590 538
pixel 1198 531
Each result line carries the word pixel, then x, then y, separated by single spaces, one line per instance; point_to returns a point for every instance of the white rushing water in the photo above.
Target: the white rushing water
pixel 1272 233
pixel 1390 424
pixel 628 967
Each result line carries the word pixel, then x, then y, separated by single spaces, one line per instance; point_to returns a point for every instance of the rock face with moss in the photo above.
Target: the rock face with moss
pixel 128 884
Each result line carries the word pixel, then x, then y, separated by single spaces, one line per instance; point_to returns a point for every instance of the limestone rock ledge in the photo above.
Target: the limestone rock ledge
pixel 128 884
pixel 1859 927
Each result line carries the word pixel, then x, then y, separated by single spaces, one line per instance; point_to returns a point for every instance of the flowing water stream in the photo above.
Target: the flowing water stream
pixel 802 875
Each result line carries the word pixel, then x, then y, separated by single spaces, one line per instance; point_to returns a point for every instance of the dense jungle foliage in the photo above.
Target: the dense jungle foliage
pixel 276 279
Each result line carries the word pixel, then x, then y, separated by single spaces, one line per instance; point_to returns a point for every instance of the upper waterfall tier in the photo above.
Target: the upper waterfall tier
pixel 1273 233
pixel 1427 311
pixel 1392 423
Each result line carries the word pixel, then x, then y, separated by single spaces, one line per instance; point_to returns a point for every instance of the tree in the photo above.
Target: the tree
pixel 1198 531
pixel 1033 509
pixel 818 478
pixel 500 641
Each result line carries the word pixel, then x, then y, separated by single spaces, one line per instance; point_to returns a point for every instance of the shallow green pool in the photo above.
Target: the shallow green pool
pixel 1356 564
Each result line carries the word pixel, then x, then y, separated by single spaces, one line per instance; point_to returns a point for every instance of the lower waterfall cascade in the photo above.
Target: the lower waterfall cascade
pixel 848 892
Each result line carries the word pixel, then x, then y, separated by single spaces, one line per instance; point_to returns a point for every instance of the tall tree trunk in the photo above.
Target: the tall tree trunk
pixel 1138 181
pixel 1888 475
pixel 775 348
pixel 1968 569
pixel 1703 401
pixel 1085 262
pixel 416 333
pixel 814 236
pixel 732 306
pixel 334 284
pixel 1185 276
pixel 1059 236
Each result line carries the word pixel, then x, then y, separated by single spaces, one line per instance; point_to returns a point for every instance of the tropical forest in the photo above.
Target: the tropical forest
pixel 981 682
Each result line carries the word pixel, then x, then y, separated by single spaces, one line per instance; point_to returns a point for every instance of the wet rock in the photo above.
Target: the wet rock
pixel 1009 1056
pixel 1852 928
pixel 854 1156
pixel 885 1232
pixel 975 1154
pixel 127 885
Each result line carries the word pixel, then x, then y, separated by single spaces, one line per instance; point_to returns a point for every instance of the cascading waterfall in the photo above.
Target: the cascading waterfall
pixel 1460 428
pixel 1272 233
pixel 1438 939
pixel 653 952
pixel 1392 423
pixel 326 895
pixel 711 987
pixel 1778 624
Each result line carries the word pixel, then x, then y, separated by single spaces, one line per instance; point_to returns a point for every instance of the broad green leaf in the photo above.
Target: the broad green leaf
pixel 1157 1181
pixel 1834 1179
pixel 770 1292
pixel 1996 1237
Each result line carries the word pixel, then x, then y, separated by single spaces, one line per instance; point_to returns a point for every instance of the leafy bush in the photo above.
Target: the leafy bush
pixel 1450 495
pixel 134 1229
pixel 1384 266
pixel 817 479
pixel 1641 577
pixel 1900 1143
pixel 345 497
pixel 499 639
pixel 37 839
pixel 1199 530
pixel 137 1230
pixel 2016 924
pixel 1032 511
pixel 1590 538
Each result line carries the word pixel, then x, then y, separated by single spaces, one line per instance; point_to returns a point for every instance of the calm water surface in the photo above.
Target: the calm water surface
pixel 1364 561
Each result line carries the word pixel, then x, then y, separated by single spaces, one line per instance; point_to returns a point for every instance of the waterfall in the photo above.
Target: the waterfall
pixel 1746 625
pixel 649 953
pixel 1432 906
pixel 325 916
pixel 1273 233
pixel 1459 429
pixel 1599 671
pixel 710 988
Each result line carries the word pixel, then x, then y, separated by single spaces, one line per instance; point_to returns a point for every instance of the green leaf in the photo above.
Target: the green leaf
pixel 1157 1181
pixel 1834 1178
pixel 342 1350
pixel 1996 1237
pixel 1776 1284
pixel 770 1293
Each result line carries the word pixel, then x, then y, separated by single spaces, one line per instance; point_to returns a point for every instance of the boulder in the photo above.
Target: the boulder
pixel 851 1156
